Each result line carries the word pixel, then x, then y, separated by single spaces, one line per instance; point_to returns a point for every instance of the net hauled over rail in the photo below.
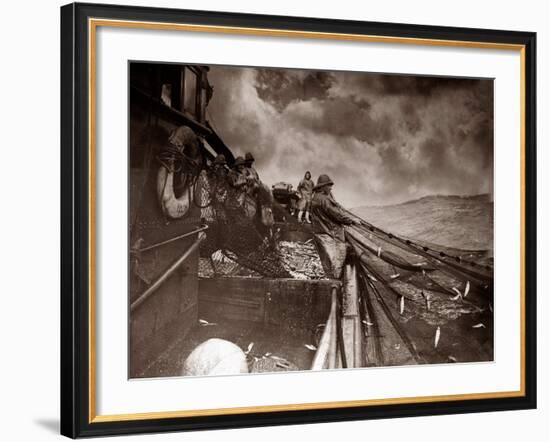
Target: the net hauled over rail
pixel 235 227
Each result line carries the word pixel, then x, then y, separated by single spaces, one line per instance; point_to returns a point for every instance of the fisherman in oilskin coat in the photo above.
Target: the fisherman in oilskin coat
pixel 328 216
pixel 237 182
pixel 305 189
pixel 217 177
pixel 250 172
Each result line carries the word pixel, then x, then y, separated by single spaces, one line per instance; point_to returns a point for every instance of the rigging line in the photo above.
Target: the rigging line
pixel 443 266
pixel 441 253
pixel 374 229
pixel 439 249
pixel 384 237
pixel 462 268
pixel 419 250
pixel 444 258
pixel 434 285
pixel 385 256
pixel 467 275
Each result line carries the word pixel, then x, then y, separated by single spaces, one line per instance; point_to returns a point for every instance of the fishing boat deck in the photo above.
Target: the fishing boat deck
pixel 279 316
pixel 274 348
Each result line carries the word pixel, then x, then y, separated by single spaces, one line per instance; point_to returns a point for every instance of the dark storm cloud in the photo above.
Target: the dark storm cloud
pixel 344 117
pixel 382 138
pixel 407 85
pixel 280 87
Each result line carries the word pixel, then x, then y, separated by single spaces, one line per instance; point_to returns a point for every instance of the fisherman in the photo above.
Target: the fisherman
pixel 252 177
pixel 251 173
pixel 212 185
pixel 237 175
pixel 328 216
pixel 305 191
pixel 218 167
pixel 218 180
pixel 237 182
pixel 253 186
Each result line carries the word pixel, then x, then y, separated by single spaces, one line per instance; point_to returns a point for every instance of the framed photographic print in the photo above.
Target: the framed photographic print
pixel 279 220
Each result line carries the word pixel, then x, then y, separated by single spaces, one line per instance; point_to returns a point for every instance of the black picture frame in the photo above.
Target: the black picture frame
pixel 75 219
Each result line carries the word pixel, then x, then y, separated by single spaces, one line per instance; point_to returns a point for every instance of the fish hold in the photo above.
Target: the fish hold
pixel 215 357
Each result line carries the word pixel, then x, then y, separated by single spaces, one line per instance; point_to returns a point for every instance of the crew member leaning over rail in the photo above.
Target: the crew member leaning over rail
pixel 250 172
pixel 328 216
pixel 329 219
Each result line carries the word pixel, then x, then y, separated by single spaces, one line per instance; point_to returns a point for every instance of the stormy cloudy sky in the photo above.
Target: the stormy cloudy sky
pixel 383 139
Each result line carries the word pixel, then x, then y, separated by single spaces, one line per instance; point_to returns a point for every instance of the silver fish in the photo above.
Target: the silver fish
pixel 467 289
pixel 437 336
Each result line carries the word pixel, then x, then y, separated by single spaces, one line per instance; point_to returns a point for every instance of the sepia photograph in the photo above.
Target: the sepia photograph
pixel 292 220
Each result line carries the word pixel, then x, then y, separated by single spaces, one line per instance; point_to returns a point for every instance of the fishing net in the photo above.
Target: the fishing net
pixel 411 293
pixel 235 227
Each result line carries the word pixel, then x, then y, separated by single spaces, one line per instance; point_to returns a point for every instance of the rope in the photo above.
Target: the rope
pixel 175 160
pixel 453 269
pixel 386 256
pixel 424 248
